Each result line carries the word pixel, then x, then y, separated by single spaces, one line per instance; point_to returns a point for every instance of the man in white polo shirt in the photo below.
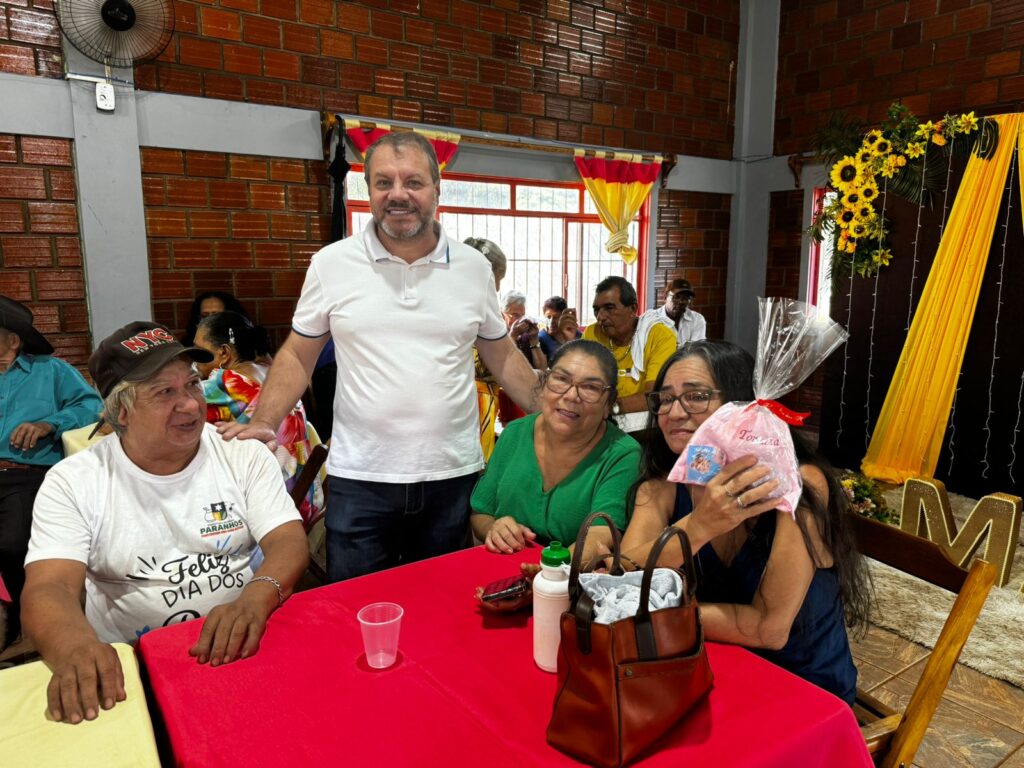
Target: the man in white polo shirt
pixel 688 324
pixel 405 306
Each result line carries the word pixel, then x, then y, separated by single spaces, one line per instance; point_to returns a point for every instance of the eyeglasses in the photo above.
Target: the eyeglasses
pixel 693 401
pixel 589 391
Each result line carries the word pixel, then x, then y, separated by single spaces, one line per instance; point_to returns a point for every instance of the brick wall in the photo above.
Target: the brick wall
pixel 30 39
pixel 40 253
pixel 785 230
pixel 653 75
pixel 785 227
pixel 236 223
pixel 859 56
pixel 693 242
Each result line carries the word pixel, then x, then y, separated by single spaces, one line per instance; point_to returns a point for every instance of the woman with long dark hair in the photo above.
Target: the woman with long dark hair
pixel 784 588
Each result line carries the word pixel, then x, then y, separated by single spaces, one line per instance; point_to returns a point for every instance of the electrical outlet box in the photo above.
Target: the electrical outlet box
pixel 105 97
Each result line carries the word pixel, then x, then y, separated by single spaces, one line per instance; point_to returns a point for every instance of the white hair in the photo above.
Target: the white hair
pixel 121 397
pixel 511 299
pixel 124 395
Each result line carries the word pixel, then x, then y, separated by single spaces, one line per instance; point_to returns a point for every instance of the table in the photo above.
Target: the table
pixel 122 736
pixel 464 690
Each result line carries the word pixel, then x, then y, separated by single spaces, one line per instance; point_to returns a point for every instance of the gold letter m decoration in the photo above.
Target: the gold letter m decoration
pixel 926 512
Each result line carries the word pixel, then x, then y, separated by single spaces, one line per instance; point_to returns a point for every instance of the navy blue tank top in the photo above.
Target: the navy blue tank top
pixel 818 649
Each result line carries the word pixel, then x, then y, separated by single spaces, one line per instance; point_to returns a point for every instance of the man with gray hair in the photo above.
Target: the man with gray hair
pixel 405 306
pixel 159 523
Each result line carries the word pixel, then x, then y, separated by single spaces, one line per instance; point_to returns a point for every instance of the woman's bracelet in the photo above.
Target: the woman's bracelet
pixel 277 586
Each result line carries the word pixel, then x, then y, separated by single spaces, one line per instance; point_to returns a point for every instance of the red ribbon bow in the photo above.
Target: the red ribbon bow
pixel 790 417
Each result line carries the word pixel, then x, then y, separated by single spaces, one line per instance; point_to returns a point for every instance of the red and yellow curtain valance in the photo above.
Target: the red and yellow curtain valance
pixel 619 183
pixel 362 134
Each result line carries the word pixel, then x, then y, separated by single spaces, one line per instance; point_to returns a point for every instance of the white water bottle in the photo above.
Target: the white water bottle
pixel 550 601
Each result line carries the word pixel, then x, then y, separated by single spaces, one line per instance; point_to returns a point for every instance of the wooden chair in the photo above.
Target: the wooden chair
pixel 893 738
pixel 315 533
pixel 317 457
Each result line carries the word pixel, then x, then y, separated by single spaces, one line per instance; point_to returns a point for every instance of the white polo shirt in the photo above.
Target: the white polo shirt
pixel 405 408
pixel 693 326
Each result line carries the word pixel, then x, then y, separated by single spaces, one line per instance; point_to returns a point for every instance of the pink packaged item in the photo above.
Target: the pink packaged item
pixel 793 338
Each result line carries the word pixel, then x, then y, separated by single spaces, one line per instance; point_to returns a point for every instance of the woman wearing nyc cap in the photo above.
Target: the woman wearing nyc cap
pixel 777 586
pixel 551 469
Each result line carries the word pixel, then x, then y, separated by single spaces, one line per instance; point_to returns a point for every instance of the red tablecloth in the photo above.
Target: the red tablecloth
pixel 464 691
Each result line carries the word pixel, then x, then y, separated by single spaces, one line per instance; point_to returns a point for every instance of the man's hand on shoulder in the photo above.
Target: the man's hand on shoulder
pixel 254 430
pixel 86 678
pixel 233 630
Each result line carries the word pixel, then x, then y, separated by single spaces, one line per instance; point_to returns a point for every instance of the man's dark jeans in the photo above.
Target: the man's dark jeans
pixel 18 489
pixel 372 526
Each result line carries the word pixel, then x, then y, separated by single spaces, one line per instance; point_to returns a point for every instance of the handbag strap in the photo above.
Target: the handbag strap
pixel 577 554
pixel 645 643
pixel 580 603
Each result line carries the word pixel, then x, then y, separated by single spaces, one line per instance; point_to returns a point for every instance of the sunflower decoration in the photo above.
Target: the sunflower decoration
pixel 846 218
pixel 847 174
pixel 892 158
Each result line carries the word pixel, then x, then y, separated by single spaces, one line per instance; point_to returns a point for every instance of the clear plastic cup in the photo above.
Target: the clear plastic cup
pixel 380 623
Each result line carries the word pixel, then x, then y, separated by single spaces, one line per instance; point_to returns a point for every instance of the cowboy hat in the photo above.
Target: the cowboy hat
pixel 17 318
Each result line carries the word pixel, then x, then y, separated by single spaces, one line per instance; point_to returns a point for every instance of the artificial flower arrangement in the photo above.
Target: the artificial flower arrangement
pixel 903 156
pixel 866 498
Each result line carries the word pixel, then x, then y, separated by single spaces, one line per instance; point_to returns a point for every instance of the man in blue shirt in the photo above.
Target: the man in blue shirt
pixel 40 398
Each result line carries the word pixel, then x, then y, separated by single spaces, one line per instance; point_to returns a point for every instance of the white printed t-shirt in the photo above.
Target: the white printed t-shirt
pixel 405 408
pixel 159 549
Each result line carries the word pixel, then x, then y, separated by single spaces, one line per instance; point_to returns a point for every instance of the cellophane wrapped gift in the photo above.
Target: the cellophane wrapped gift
pixel 793 338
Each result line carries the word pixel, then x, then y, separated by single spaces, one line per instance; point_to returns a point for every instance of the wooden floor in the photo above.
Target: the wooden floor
pixel 980 722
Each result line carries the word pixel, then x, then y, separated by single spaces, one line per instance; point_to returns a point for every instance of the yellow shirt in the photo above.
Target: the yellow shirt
pixel 661 343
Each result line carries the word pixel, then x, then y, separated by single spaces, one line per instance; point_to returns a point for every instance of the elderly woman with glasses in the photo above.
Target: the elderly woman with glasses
pixel 551 469
pixel 784 588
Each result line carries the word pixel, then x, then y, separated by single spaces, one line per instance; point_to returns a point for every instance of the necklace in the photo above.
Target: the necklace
pixel 619 357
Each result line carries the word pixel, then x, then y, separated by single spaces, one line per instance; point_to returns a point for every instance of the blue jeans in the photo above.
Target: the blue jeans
pixel 372 526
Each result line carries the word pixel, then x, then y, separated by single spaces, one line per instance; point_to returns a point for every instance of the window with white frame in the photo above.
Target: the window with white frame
pixel 549 231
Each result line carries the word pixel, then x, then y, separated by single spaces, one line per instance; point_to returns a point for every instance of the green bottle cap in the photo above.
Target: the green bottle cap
pixel 554 554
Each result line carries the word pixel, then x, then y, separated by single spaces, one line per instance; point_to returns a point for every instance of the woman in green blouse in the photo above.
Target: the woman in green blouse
pixel 550 470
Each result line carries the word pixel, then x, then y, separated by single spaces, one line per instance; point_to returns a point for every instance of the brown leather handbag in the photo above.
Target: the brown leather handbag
pixel 622 686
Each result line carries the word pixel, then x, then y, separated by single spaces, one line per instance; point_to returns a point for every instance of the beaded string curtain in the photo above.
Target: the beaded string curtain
pixel 910 429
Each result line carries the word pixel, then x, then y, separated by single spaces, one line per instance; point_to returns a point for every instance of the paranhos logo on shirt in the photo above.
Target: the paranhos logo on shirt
pixel 219 519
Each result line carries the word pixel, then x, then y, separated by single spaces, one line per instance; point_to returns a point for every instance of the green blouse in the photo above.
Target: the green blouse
pixel 512 484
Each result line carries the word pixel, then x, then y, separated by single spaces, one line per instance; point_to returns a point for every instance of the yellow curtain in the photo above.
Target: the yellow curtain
pixel 618 183
pixel 910 429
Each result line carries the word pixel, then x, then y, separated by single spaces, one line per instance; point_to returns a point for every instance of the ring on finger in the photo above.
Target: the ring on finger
pixel 739 501
pixel 730 494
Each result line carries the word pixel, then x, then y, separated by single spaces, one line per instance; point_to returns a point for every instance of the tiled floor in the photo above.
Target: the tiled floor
pixel 980 722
